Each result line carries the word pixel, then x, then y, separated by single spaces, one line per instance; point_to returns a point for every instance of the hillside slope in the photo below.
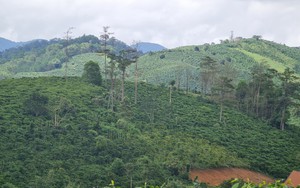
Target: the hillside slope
pixel 182 64
pixel 44 58
pixel 72 139
pixel 6 44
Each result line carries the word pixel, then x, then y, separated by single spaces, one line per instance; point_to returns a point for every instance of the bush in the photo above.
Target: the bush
pixel 91 73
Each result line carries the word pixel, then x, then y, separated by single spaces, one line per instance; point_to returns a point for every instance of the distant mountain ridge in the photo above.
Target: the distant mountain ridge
pixel 43 57
pixel 40 56
pixel 6 44
pixel 147 47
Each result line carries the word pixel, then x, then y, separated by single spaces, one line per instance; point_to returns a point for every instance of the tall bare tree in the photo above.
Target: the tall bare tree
pixel 125 58
pixel 111 71
pixel 136 47
pixel 105 36
pixel 67 37
pixel 171 87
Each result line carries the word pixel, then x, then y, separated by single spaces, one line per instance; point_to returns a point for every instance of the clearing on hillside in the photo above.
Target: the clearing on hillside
pixel 215 177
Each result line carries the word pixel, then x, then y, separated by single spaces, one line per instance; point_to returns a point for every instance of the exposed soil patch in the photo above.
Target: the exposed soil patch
pixel 215 177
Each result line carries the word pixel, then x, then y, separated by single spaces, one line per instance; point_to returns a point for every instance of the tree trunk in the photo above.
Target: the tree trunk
pixel 257 100
pixel 112 94
pixel 122 85
pixel 112 88
pixel 135 83
pixel 105 71
pixel 170 100
pixel 282 124
pixel 55 119
pixel 221 112
pixel 187 82
pixel 222 100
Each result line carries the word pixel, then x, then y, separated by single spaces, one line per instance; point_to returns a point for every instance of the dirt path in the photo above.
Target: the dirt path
pixel 215 177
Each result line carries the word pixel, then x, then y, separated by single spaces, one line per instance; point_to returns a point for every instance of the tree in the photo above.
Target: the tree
pixel 171 87
pixel 105 37
pixel 260 95
pixel 136 47
pixel 36 104
pixel 257 37
pixel 91 73
pixel 125 58
pixel 187 75
pixel 111 71
pixel 241 92
pixel 223 86
pixel 68 37
pixel 289 90
pixel 208 71
pixel 259 75
pixel 61 110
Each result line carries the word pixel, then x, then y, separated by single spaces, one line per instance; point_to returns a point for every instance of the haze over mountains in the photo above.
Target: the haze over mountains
pixel 6 44
pixel 146 47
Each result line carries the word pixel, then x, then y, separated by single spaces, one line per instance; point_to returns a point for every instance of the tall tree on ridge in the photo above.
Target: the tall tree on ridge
pixel 105 37
pixel 125 58
pixel 171 87
pixel 289 90
pixel 258 73
pixel 67 37
pixel 208 72
pixel 111 71
pixel 222 87
pixel 136 47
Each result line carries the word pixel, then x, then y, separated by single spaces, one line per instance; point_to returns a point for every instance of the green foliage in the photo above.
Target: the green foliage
pixel 238 183
pixel 242 55
pixel 36 104
pixel 151 142
pixel 43 58
pixel 91 73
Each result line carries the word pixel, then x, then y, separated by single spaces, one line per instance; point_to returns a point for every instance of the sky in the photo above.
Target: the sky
pixel 171 23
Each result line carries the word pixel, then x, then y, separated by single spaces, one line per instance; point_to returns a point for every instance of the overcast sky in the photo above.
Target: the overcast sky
pixel 171 23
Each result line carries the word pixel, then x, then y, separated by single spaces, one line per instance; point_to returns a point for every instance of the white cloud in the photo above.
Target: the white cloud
pixel 171 22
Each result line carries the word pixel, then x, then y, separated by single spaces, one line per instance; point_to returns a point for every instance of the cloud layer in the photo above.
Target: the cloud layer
pixel 171 22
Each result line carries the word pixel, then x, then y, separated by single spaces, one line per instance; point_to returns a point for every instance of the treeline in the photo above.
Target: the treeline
pixel 267 94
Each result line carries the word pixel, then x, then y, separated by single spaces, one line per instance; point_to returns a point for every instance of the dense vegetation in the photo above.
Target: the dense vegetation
pixel 69 136
pixel 183 63
pixel 210 106
pixel 51 57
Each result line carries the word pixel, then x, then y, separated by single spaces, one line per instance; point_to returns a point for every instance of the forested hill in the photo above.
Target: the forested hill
pixel 48 58
pixel 62 132
pixel 235 58
pixel 6 44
